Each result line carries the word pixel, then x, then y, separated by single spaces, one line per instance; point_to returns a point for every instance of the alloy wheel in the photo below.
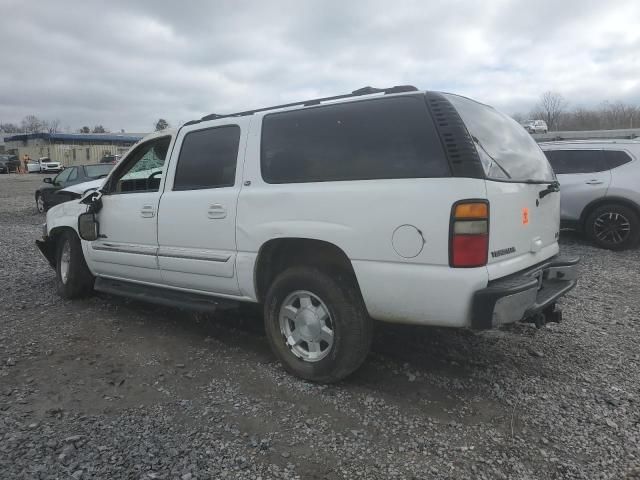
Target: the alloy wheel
pixel 612 228
pixel 65 262
pixel 306 326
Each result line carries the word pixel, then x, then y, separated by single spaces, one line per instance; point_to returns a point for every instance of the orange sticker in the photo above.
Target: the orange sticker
pixel 525 216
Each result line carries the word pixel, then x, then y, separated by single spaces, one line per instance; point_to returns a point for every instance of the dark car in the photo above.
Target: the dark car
pixel 110 159
pixel 47 196
pixel 9 163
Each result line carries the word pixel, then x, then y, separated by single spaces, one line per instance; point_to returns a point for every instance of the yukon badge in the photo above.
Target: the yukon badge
pixel 503 251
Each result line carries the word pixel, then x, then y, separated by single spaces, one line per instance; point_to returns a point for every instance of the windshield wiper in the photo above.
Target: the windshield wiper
pixel 551 188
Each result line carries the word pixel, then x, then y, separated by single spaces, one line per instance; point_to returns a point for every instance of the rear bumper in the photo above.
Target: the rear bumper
pixel 524 294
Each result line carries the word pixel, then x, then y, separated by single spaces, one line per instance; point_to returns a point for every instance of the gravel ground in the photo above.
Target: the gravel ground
pixel 108 388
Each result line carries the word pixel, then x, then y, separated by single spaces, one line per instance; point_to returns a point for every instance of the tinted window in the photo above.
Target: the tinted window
pixel 73 174
pixel 506 149
pixel 208 159
pixel 615 158
pixel 576 161
pixel 62 176
pixel 383 138
pixel 95 171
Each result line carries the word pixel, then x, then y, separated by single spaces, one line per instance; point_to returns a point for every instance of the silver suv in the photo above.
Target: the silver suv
pixel 600 189
pixel 535 126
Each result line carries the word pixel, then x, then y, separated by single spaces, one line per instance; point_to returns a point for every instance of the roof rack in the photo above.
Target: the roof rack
pixel 316 101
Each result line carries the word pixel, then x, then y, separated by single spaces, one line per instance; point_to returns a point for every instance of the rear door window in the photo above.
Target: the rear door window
pixel 507 151
pixel 364 140
pixel 615 158
pixel 208 159
pixel 576 161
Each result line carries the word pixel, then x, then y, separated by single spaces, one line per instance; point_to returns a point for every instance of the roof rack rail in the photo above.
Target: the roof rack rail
pixel 356 93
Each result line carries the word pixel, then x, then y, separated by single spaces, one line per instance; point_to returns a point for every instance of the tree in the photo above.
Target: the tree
pixel 99 129
pixel 32 124
pixel 518 117
pixel 54 125
pixel 9 128
pixel 85 129
pixel 161 124
pixel 550 108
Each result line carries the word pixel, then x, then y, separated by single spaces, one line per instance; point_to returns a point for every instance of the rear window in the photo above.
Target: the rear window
pixel 95 171
pixel 507 151
pixel 576 161
pixel 366 140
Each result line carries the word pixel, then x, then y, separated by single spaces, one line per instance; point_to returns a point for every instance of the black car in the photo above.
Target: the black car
pixel 9 163
pixel 47 196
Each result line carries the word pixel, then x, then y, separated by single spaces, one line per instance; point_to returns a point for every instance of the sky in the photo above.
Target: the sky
pixel 124 64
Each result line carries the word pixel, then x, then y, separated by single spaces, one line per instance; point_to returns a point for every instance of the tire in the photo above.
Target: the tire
pixel 332 296
pixel 40 205
pixel 73 278
pixel 613 226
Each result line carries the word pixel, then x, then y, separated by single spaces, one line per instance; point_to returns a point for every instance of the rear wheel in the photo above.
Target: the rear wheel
pixel 316 324
pixel 73 278
pixel 615 227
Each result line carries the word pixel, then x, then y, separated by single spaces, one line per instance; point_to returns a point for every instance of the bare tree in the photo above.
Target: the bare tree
pixel 9 128
pixel 550 108
pixel 518 117
pixel 32 124
pixel 85 129
pixel 54 125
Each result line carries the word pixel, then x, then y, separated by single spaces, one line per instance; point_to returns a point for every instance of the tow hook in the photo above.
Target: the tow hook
pixel 548 315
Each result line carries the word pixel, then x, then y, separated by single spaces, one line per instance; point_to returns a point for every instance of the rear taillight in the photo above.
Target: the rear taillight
pixel 469 234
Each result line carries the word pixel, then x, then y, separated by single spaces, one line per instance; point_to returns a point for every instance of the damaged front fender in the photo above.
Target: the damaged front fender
pixel 48 249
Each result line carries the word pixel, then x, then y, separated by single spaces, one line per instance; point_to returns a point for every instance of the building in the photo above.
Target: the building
pixel 70 148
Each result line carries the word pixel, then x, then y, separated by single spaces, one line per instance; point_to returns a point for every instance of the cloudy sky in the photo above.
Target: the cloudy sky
pixel 124 64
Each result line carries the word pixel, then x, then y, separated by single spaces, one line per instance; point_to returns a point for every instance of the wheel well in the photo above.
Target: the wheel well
pixel 607 201
pixel 57 231
pixel 277 255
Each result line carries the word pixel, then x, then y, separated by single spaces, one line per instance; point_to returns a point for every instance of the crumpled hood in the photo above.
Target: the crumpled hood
pixel 81 188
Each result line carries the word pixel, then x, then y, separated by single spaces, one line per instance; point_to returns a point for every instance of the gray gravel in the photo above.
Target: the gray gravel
pixel 108 388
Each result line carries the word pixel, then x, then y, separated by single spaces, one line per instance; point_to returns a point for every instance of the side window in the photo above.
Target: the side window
pixel 62 176
pixel 616 158
pixel 73 174
pixel 364 140
pixel 576 161
pixel 143 168
pixel 208 159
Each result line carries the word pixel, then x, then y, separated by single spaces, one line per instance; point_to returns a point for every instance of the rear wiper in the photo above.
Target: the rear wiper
pixel 551 188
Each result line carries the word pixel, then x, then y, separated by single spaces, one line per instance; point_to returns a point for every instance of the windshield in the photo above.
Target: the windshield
pixel 507 151
pixel 95 171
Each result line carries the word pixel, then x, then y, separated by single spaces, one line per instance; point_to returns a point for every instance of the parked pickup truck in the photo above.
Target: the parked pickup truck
pixel 391 204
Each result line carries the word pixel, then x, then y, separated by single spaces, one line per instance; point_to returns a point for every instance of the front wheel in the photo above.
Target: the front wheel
pixel 316 324
pixel 615 227
pixel 40 203
pixel 73 278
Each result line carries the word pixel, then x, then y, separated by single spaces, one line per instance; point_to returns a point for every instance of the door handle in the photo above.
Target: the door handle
pixel 216 211
pixel 594 182
pixel 147 211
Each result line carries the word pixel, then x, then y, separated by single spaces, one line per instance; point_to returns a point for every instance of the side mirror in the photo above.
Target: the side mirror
pixel 47 180
pixel 88 227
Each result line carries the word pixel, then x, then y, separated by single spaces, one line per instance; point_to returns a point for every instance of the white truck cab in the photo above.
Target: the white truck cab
pixel 388 204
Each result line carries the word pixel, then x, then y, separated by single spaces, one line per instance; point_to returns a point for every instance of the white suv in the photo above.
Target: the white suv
pixel 396 205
